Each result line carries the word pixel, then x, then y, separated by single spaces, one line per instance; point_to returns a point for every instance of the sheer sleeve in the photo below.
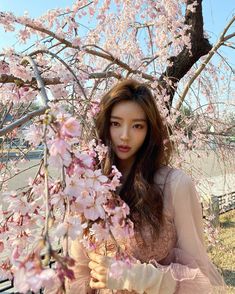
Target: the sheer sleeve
pixel 189 262
pixel 81 270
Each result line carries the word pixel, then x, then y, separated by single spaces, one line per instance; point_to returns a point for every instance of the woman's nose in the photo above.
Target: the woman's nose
pixel 124 134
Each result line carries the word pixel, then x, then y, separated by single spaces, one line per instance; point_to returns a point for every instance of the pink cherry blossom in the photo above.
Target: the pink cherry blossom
pixel 33 134
pixel 100 232
pixel 75 186
pixel 1 246
pixel 71 226
pixel 24 35
pixel 80 198
pixel 16 204
pixel 85 159
pixel 95 179
pixel 59 147
pixel 102 151
pixel 20 71
pixel 31 277
pixel 95 209
pixel 71 127
pixel 59 161
pixel 4 68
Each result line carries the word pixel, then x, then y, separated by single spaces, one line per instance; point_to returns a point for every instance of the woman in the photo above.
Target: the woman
pixel 164 205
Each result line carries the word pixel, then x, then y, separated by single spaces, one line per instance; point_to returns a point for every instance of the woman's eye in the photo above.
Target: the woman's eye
pixel 138 126
pixel 114 123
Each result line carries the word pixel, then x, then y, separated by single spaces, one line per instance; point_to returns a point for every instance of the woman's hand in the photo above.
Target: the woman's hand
pixel 99 269
pixel 140 277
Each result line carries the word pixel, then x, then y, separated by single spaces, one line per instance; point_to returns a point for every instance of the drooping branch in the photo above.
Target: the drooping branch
pixel 40 82
pixel 22 120
pixel 5 115
pixel 224 133
pixel 180 64
pixel 68 68
pixel 43 94
pixel 7 79
pixel 220 42
pixel 101 53
pixel 183 62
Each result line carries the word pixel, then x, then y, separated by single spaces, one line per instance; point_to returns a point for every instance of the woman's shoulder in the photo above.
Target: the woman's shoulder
pixel 167 175
pixel 176 185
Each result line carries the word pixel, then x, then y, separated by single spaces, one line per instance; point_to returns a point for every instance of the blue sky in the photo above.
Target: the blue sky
pixel 216 13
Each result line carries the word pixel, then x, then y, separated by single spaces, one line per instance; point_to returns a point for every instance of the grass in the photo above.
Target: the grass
pixel 223 254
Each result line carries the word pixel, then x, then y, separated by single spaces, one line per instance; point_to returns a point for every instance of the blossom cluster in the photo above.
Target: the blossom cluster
pixel 81 204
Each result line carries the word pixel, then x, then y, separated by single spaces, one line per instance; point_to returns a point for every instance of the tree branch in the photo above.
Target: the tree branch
pixel 68 68
pixel 43 94
pixel 6 114
pixel 203 65
pixel 182 63
pixel 22 120
pixel 6 79
pixel 106 55
pixel 40 82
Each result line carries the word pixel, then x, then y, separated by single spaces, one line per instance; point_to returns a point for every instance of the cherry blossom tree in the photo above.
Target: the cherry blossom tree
pixel 49 94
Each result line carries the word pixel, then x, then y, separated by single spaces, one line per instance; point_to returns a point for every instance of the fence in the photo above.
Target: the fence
pixel 225 202
pixel 7 286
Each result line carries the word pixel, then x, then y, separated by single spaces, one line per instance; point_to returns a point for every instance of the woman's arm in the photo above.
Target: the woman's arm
pixel 191 265
pixel 140 277
pixel 81 270
pixel 187 269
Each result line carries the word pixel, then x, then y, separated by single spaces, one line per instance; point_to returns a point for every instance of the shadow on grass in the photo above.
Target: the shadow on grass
pixel 229 277
pixel 227 224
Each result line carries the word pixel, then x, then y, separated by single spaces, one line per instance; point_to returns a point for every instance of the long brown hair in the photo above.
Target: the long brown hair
pixel 139 191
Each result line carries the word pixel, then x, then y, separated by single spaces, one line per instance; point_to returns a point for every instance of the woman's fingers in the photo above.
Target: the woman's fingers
pixel 92 264
pixel 97 284
pixel 97 276
pixel 100 259
pixel 98 265
pixel 98 268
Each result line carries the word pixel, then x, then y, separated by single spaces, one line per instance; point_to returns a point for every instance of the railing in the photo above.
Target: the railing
pixel 225 202
pixel 7 286
pixel 219 205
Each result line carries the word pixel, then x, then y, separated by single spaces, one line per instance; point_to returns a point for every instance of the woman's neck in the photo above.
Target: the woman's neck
pixel 124 167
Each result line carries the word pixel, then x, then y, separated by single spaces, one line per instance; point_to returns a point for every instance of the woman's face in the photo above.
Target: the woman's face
pixel 128 129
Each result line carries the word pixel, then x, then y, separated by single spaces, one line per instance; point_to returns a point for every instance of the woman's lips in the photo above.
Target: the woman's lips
pixel 123 148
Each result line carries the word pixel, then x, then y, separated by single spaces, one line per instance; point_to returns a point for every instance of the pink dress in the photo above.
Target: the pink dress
pixel 178 248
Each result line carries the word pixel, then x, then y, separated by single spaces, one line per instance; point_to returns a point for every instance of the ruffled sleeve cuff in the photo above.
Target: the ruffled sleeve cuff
pixel 189 277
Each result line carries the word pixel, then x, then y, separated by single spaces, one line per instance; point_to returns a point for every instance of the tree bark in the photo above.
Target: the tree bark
pixel 183 62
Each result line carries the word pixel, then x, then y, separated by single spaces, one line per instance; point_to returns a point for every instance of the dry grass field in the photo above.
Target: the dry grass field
pixel 223 254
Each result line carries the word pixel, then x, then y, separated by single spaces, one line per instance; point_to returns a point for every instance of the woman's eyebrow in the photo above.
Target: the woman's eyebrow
pixel 135 119
pixel 139 119
pixel 115 117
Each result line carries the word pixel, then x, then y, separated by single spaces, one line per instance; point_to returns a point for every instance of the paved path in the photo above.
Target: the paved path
pixel 206 166
pixel 217 185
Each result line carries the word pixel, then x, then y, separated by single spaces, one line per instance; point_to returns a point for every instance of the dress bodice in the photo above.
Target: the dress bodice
pixel 145 248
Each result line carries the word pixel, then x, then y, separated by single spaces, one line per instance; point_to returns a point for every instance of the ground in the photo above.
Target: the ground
pixel 223 254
